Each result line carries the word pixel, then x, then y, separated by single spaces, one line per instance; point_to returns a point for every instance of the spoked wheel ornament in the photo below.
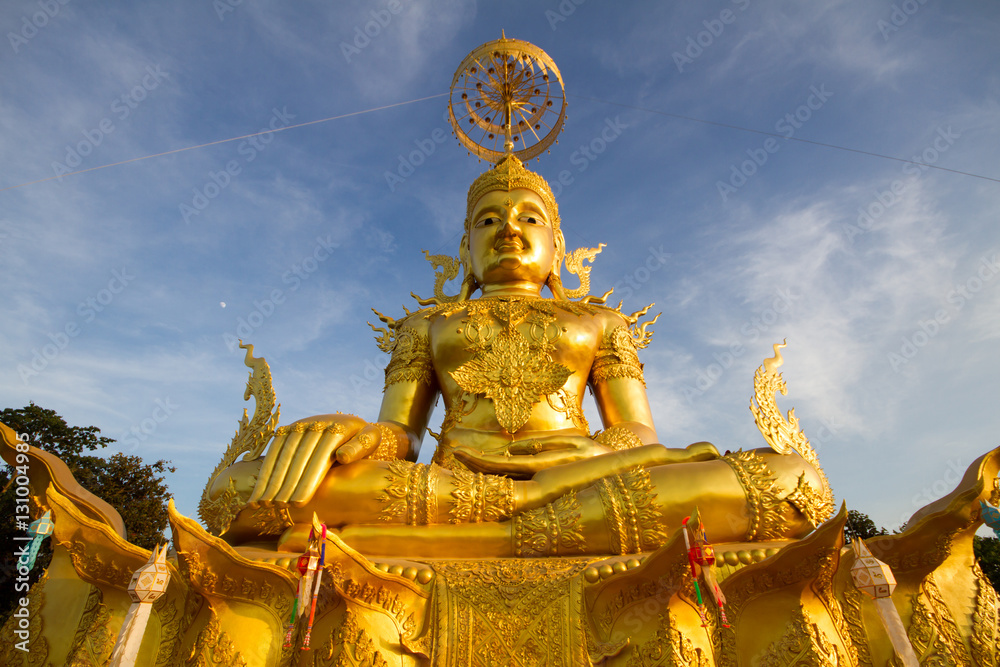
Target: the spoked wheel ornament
pixel 507 97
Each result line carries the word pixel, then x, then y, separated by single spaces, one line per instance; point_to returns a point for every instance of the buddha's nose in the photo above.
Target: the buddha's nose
pixel 510 226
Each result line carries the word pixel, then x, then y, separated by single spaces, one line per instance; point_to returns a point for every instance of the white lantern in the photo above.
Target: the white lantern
pixel 871 576
pixel 150 581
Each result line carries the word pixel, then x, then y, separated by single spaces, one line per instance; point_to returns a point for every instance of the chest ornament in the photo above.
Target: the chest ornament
pixel 513 376
pixel 511 369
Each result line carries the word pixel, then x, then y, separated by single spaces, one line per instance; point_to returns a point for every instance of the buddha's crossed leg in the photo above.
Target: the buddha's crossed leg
pixel 627 502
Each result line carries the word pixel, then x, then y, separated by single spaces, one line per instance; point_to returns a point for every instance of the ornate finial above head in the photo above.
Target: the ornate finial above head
pixel 507 98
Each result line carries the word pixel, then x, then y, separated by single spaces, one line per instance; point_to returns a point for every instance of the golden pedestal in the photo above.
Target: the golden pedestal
pixel 788 603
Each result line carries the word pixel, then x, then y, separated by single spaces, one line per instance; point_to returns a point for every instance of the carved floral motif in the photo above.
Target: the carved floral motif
pixel 513 376
pixel 634 520
pixel 803 644
pixel 501 612
pixel 552 530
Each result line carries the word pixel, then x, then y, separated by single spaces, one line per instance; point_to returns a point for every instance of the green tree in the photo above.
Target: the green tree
pixel 46 430
pixel 987 550
pixel 137 490
pixel 859 525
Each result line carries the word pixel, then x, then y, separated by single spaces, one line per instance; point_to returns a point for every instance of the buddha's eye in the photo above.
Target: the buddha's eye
pixel 492 220
pixel 531 220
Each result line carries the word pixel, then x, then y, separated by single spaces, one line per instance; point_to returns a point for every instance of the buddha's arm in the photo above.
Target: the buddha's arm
pixel 407 405
pixel 411 385
pixel 619 387
pixel 620 393
pixel 625 413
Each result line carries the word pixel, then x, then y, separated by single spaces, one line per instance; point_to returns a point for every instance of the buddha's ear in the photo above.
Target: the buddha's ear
pixel 469 284
pixel 560 241
pixel 463 253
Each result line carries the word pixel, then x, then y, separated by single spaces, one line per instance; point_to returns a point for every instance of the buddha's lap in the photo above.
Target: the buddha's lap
pixel 726 492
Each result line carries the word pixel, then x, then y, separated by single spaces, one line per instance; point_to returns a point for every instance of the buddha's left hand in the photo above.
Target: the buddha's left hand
pixel 526 457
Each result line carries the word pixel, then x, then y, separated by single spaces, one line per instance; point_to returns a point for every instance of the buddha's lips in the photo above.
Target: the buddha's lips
pixel 508 245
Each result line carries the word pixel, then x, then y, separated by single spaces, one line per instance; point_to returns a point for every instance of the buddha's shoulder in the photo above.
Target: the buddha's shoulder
pixel 611 317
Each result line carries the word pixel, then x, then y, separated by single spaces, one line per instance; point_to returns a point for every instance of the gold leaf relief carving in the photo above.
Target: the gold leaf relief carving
pixel 785 436
pixel 770 516
pixel 94 639
pixel 411 358
pixel 271 520
pixel 511 367
pixel 509 611
pixel 214 647
pixel 642 590
pixel 566 401
pixel 552 530
pixel 933 632
pixel 803 644
pixel 634 520
pixel 985 639
pixel 94 567
pixel 618 438
pixel 349 645
pixel 513 376
pixel 763 583
pixel 382 597
pixel 411 494
pixel 854 621
pixel 37 654
pixel 822 586
pixel 394 496
pixel 250 439
pixel 481 498
pixel 617 357
pixel 170 617
pixel 816 506
pixel 668 648
pixel 522 305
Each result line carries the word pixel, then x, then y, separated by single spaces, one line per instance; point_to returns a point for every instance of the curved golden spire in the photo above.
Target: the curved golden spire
pixel 785 437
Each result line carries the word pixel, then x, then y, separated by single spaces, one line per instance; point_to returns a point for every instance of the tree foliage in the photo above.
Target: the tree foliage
pixel 137 490
pixel 987 550
pixel 859 525
pixel 46 430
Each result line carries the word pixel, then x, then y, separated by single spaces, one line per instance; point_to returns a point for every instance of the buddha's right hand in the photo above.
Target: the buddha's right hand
pixel 302 453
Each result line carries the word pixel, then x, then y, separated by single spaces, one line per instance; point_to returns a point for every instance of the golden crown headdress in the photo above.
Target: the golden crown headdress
pixel 509 174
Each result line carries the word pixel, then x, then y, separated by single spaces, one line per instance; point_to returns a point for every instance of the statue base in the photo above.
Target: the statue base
pixel 786 603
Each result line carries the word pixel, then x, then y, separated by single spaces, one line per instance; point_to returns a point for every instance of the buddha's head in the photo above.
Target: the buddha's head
pixel 512 233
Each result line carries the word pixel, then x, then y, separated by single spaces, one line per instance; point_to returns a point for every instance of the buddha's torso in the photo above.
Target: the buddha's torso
pixel 512 368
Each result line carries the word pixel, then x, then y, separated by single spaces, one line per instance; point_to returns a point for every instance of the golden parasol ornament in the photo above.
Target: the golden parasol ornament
pixel 507 96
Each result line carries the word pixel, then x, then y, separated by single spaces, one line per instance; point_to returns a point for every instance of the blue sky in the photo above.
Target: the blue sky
pixel 882 275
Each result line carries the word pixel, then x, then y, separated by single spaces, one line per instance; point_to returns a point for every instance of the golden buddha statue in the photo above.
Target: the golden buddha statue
pixel 516 471
pixel 529 539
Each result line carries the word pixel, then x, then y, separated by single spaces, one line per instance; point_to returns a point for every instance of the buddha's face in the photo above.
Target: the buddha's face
pixel 511 238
